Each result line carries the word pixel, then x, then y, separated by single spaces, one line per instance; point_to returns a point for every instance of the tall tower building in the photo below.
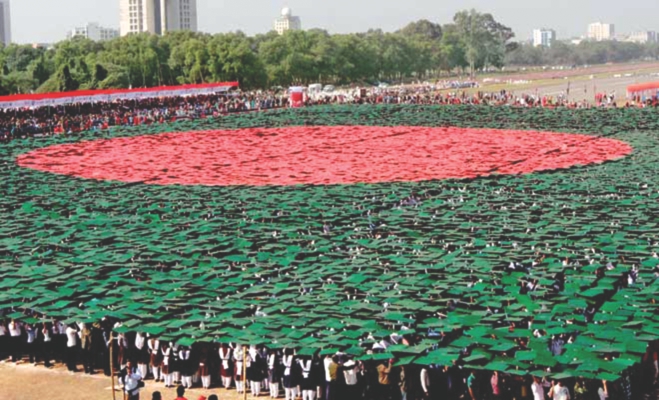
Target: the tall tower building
pixel 543 37
pixel 157 16
pixel 599 31
pixel 287 22
pixel 5 20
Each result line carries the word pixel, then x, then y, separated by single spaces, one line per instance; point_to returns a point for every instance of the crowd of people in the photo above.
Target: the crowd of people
pixel 73 118
pixel 258 370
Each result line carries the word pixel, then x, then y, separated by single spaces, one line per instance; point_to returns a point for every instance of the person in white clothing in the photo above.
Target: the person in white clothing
pixel 30 347
pixel 141 354
pixel 425 382
pixel 537 389
pixel 46 349
pixel 166 353
pixel 350 375
pixel 184 362
pixel 254 371
pixel 155 358
pixel 238 363
pixel 15 331
pixel 289 390
pixel 559 392
pixel 308 384
pixel 129 379
pixel 226 362
pixel 71 343
pixel 273 374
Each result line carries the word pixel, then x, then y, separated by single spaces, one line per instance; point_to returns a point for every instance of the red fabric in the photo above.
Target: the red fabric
pixel 321 155
pixel 297 99
pixel 643 87
pixel 125 93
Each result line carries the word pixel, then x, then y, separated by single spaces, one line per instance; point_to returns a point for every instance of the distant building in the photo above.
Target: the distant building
pixel 94 32
pixel 543 37
pixel 157 16
pixel 5 20
pixel 642 37
pixel 599 31
pixel 47 46
pixel 287 22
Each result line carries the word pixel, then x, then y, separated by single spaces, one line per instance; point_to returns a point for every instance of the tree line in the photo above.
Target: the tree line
pixel 584 53
pixel 421 50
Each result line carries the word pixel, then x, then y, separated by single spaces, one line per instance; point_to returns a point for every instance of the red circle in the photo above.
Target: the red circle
pixel 321 155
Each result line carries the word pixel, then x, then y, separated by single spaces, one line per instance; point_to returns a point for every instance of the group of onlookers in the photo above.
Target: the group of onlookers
pixel 256 369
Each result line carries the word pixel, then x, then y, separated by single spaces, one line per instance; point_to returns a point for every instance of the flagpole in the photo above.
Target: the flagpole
pixel 112 366
pixel 244 372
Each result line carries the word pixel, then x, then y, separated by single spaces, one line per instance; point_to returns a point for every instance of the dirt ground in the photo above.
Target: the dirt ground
pixel 584 83
pixel 27 382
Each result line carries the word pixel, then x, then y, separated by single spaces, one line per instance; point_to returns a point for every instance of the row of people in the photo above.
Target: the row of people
pixel 332 376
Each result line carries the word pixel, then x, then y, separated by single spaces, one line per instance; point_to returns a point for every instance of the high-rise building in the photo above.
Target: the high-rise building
pixel 157 16
pixel 543 37
pixel 599 31
pixel 287 22
pixel 94 32
pixel 5 20
pixel 642 37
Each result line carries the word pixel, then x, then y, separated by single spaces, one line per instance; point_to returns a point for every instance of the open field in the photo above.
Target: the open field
pixel 584 82
pixel 26 382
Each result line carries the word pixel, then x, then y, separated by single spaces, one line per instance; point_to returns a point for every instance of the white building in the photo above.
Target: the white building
pixel 543 37
pixel 5 20
pixel 599 31
pixel 287 22
pixel 157 16
pixel 94 32
pixel 642 37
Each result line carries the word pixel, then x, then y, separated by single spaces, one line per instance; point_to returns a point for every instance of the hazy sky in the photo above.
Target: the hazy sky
pixel 48 20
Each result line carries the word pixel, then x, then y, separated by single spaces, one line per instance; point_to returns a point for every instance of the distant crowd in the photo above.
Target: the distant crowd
pixel 73 118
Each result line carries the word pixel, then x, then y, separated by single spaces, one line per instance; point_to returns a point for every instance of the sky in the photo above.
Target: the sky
pixel 47 21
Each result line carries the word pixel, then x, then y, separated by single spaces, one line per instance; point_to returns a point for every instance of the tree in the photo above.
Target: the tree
pixel 485 40
pixel 422 29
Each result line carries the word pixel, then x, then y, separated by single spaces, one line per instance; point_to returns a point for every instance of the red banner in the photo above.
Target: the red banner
pixel 87 96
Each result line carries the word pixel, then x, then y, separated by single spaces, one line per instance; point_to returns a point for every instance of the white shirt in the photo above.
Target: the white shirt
pixel 14 329
pixel 132 381
pixel 271 361
pixel 350 375
pixel 538 391
pixel 561 393
pixel 31 334
pixel 46 335
pixel 306 368
pixel 602 394
pixel 3 330
pixel 154 345
pixel 139 341
pixel 165 354
pixel 225 357
pixel 71 337
pixel 327 362
pixel 288 362
pixel 425 381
